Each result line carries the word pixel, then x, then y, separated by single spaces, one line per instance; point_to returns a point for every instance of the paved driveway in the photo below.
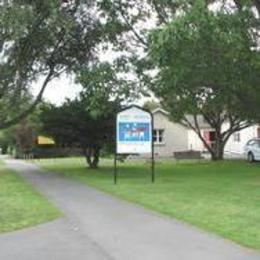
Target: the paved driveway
pixel 98 226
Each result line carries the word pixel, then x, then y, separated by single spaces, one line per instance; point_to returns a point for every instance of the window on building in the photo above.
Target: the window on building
pixel 158 136
pixel 237 137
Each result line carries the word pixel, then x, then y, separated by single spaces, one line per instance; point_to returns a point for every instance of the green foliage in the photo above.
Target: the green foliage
pixel 82 123
pixel 140 16
pixel 207 63
pixel 74 123
pixel 151 105
pixel 42 39
pixel 20 138
pixel 101 82
pixel 39 40
pixel 6 141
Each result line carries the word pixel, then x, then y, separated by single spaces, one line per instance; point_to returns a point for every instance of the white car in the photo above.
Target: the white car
pixel 252 150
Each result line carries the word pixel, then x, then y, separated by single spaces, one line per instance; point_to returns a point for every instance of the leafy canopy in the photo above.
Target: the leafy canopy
pixel 142 16
pixel 206 61
pixel 39 40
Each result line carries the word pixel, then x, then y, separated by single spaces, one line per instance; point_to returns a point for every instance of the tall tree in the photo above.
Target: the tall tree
pixel 74 124
pixel 88 122
pixel 140 17
pixel 39 40
pixel 206 63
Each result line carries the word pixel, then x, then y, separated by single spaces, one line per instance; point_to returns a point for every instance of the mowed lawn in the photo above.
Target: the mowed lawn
pixel 20 205
pixel 220 197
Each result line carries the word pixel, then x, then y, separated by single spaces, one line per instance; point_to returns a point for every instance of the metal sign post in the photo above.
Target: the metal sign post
pixel 153 160
pixel 134 135
pixel 115 169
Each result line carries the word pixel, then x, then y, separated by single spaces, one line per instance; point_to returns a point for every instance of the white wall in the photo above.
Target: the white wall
pixel 234 147
pixel 178 138
pixel 175 136
pixel 194 142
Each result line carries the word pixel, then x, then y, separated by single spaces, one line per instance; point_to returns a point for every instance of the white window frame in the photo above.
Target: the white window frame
pixel 157 136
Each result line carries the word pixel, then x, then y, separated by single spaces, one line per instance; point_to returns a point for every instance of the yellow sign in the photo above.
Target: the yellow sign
pixel 43 140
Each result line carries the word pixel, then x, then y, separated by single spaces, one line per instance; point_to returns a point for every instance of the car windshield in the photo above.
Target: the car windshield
pixel 251 142
pixel 254 143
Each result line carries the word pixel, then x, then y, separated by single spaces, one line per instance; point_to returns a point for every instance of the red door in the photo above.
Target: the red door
pixel 206 136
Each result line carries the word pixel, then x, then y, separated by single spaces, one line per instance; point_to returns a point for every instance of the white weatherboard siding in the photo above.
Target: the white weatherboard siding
pixel 235 146
pixel 175 136
pixel 195 143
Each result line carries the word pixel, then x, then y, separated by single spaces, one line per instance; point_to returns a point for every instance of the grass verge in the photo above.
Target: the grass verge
pixel 20 205
pixel 220 197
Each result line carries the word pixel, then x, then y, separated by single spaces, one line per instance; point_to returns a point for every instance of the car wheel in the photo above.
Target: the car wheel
pixel 250 157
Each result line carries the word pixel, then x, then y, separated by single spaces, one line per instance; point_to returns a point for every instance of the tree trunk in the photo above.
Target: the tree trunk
pixel 92 157
pixel 217 153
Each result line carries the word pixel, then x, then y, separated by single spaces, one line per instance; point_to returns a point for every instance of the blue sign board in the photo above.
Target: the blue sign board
pixel 134 132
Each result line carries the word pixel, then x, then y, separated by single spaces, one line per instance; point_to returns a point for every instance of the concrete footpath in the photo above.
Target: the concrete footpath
pixel 99 226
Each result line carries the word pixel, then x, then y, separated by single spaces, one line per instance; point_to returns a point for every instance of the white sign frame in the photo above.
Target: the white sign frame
pixel 134 131
pixel 138 144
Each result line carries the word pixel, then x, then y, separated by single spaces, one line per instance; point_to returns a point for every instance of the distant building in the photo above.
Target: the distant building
pixel 237 141
pixel 171 137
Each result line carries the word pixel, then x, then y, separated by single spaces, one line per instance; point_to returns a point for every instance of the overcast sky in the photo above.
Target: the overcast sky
pixel 64 87
pixel 58 89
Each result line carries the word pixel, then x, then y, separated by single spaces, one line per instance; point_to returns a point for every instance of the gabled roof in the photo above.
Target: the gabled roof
pixel 134 106
pixel 201 122
pixel 160 110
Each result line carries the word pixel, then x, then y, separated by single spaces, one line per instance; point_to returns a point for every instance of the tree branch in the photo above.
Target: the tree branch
pixel 26 112
pixel 235 126
pixel 197 130
pixel 130 26
pixel 257 5
pixel 200 135
pixel 161 15
pixel 239 4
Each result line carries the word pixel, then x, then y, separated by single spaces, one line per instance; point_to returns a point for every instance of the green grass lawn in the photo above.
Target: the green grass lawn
pixel 20 205
pixel 220 197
